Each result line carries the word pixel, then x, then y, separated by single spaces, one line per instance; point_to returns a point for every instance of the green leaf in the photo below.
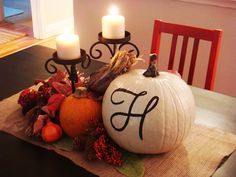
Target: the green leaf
pixel 132 166
pixel 65 144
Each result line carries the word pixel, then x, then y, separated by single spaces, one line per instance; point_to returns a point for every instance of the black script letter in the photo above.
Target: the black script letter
pixel 149 107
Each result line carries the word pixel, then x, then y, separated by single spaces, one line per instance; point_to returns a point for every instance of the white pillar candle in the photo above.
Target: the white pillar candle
pixel 113 25
pixel 68 46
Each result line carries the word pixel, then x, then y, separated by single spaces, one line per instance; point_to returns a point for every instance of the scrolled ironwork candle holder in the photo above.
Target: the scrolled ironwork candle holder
pixel 84 60
pixel 116 43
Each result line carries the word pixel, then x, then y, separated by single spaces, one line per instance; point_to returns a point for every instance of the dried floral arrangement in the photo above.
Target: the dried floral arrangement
pixel 52 110
pixel 112 118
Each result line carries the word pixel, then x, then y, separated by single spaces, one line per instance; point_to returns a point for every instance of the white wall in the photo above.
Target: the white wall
pixel 51 16
pixel 140 15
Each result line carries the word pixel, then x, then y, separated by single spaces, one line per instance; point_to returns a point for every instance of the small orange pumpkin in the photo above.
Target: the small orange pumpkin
pixel 76 114
pixel 51 132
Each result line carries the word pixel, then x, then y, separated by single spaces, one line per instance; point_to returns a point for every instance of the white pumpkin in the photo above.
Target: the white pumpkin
pixel 148 115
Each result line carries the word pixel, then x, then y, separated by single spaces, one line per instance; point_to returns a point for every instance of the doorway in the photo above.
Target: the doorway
pixel 18 11
pixel 48 18
pixel 51 17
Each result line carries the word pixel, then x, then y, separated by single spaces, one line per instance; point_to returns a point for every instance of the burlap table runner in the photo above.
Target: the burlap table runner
pixel 198 156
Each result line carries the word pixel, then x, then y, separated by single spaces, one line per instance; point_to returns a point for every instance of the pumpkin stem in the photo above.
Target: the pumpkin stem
pixel 81 92
pixel 152 68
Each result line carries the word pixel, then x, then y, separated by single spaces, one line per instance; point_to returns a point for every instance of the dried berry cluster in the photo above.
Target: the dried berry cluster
pixel 29 98
pixel 107 150
pixel 98 145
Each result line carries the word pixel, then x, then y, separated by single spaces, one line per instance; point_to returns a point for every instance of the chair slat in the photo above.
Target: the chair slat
pixel 213 60
pixel 172 51
pixel 156 39
pixel 183 55
pixel 193 61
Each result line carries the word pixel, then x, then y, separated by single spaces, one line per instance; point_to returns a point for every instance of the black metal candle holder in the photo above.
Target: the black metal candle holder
pixel 116 43
pixel 73 76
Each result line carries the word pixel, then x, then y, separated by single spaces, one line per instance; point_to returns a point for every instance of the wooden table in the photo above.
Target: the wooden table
pixel 18 71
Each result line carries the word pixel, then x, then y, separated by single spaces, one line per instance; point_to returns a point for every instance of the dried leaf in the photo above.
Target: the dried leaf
pixel 62 88
pixel 57 77
pixel 32 113
pixel 39 123
pixel 53 105
pixel 132 166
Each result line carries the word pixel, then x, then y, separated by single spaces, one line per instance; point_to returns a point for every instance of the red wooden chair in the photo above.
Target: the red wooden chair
pixel 214 36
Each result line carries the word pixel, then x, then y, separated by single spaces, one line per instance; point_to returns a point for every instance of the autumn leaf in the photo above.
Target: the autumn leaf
pixel 53 104
pixel 65 144
pixel 132 166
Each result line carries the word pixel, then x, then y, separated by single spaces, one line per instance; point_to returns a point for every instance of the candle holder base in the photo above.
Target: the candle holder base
pixel 73 76
pixel 116 43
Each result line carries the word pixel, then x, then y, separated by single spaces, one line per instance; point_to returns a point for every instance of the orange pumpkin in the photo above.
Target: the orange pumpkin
pixel 76 115
pixel 51 132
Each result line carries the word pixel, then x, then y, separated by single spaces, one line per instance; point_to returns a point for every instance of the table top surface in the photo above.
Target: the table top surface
pixel 19 70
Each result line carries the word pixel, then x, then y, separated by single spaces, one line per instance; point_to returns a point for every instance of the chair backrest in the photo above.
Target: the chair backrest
pixel 214 36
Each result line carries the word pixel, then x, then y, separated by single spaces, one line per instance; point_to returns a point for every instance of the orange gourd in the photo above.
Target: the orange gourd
pixel 51 132
pixel 76 115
